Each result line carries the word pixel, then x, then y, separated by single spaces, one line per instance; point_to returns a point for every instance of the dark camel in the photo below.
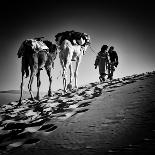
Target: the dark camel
pixel 36 55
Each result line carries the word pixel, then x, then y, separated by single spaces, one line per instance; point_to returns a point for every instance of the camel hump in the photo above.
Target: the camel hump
pixel 38 45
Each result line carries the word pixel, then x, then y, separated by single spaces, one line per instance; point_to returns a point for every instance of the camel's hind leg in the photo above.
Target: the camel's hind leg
pixel 64 76
pixel 64 80
pixel 48 70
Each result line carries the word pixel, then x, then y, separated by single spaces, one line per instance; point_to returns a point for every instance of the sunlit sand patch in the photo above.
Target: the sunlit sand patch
pixel 32 129
pixel 31 113
pixel 15 145
pixel 54 104
pixel 73 106
pixel 8 121
pixel 13 103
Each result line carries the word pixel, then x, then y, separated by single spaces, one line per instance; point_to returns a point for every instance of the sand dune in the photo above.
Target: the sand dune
pixel 114 117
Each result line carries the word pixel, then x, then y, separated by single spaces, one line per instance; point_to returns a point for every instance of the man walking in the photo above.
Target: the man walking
pixel 113 62
pixel 102 62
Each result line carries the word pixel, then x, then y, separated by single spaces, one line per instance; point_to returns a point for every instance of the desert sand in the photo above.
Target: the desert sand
pixel 114 117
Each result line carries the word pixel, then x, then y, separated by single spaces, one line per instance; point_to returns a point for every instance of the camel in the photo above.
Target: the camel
pixel 36 55
pixel 70 52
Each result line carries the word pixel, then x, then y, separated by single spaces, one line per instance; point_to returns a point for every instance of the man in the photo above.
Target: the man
pixel 102 62
pixel 113 62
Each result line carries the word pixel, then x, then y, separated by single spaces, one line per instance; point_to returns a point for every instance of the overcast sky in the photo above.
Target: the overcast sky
pixel 129 26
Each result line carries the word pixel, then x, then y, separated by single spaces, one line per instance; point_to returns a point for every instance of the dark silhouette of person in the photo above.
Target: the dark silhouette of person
pixel 102 62
pixel 113 62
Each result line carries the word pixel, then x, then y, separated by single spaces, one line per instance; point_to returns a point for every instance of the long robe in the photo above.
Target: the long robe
pixel 102 61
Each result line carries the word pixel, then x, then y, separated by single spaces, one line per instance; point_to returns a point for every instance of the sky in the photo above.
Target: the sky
pixel 129 26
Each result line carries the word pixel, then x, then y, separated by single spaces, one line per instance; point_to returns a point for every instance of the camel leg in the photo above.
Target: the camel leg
pixel 64 79
pixel 69 86
pixel 48 70
pixel 30 84
pixel 21 89
pixel 63 74
pixel 22 82
pixel 76 70
pixel 38 85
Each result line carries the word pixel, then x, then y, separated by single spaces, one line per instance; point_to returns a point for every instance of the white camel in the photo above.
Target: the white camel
pixel 72 52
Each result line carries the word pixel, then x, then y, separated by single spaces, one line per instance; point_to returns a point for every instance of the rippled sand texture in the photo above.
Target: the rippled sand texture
pixel 114 117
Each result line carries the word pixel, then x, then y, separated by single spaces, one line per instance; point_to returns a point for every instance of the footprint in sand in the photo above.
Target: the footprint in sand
pixel 66 115
pixel 14 125
pixel 81 111
pixel 13 141
pixel 22 135
pixel 31 141
pixel 46 127
pixel 84 104
pixel 108 91
pixel 14 145
pixel 51 129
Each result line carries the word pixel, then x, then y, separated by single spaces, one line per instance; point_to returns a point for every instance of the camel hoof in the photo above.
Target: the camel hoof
pixel 50 94
pixel 69 86
pixel 19 103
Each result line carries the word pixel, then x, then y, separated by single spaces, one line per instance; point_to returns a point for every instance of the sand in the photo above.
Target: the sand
pixel 114 117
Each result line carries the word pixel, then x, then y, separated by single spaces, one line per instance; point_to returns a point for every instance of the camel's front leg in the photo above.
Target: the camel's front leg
pixel 30 85
pixel 38 85
pixel 76 71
